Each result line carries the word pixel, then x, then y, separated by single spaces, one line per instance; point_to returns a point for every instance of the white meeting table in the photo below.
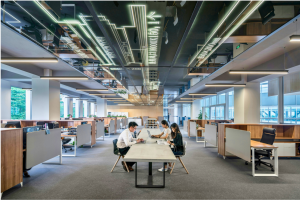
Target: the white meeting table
pixel 149 152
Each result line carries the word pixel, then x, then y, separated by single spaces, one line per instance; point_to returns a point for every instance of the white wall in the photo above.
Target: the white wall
pixel 5 99
pixel 28 105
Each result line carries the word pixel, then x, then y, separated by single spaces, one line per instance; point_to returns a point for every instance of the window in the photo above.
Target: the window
pixel 291 109
pixel 268 105
pixel 221 98
pixel 74 109
pixel 62 106
pixel 231 105
pixel 18 103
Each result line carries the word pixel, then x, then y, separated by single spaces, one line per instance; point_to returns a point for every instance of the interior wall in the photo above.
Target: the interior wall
pixel 136 111
pixel 5 99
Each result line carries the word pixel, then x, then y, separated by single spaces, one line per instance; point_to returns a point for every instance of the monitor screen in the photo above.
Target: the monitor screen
pixel 84 122
pixel 16 123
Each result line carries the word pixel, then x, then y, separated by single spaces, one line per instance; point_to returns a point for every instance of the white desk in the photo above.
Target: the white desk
pixel 149 152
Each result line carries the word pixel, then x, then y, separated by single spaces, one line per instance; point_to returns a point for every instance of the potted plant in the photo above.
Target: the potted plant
pixel 200 115
pixel 90 116
pixel 120 92
pixel 95 116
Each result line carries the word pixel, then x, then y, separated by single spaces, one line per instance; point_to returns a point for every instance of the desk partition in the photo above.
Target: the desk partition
pixel 100 129
pixel 112 127
pixel 118 124
pixel 238 143
pixel 83 134
pixel 41 147
pixel 211 134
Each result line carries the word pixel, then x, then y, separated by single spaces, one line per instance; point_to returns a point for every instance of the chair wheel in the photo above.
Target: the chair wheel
pixel 246 163
pixel 272 169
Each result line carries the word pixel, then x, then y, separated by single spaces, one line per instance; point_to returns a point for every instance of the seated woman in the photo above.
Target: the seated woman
pixel 177 140
pixel 176 144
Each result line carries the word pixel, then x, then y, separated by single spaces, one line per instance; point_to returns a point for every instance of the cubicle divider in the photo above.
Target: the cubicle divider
pixel 112 129
pixel 189 125
pixel 83 134
pixel 41 147
pixel 100 130
pixel 193 129
pixel 107 121
pixel 210 135
pixel 118 124
pixel 185 125
pixel 238 143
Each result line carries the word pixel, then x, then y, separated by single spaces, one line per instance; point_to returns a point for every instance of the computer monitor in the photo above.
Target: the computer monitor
pixel 84 122
pixel 39 127
pixel 43 124
pixel 16 123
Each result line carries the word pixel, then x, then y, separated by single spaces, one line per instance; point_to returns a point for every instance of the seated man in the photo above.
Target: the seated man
pixel 125 140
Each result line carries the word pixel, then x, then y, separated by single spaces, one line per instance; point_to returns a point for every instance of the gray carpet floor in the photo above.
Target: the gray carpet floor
pixel 88 176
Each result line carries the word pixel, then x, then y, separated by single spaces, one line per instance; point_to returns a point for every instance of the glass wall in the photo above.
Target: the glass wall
pixel 18 103
pixel 219 107
pixel 62 104
pixel 268 105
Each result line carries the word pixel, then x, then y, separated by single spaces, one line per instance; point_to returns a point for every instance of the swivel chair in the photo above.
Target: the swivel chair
pixel 268 137
pixel 116 152
pixel 179 158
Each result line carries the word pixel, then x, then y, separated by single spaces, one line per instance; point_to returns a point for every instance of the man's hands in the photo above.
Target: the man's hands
pixel 139 140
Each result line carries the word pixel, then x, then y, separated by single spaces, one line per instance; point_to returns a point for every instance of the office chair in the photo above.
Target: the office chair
pixel 179 158
pixel 65 144
pixel 116 152
pixel 268 137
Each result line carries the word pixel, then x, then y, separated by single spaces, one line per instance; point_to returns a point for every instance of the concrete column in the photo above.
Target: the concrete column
pixel 45 99
pixel 101 107
pixel 88 109
pixel 5 100
pixel 70 107
pixel 195 109
pixel 80 108
pixel 93 109
pixel 281 101
pixel 247 104
pixel 66 106
pixel 28 105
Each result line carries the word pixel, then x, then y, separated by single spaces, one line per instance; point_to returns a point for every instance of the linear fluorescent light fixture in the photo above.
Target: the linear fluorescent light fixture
pixel 112 98
pixel 29 60
pixel 190 98
pixel 225 85
pixel 72 97
pixel 295 38
pixel 125 104
pixel 258 72
pixel 202 94
pixel 184 101
pixel 82 89
pixel 65 77
pixel 102 94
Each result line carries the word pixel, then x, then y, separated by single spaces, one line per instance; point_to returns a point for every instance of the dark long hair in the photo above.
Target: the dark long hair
pixel 175 126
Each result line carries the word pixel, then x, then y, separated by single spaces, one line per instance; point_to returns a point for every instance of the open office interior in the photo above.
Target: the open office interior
pixel 150 100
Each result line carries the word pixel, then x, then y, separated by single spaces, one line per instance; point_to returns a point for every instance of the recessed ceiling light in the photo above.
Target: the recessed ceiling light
pixel 254 72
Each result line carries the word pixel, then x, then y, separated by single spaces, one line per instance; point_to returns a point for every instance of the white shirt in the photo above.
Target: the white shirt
pixel 125 139
pixel 167 131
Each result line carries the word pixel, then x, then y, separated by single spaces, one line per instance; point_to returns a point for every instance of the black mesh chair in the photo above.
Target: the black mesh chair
pixel 268 137
pixel 116 152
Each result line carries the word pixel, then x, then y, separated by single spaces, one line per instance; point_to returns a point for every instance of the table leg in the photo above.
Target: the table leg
pixel 276 162
pixel 150 178
pixel 253 161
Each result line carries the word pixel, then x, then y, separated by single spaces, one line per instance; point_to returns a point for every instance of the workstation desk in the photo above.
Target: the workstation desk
pixel 149 152
pixel 239 143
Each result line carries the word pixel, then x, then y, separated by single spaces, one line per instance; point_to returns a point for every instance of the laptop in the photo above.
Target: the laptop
pixel 149 133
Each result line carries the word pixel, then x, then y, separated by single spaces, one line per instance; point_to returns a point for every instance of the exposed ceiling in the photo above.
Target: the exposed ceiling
pixel 90 48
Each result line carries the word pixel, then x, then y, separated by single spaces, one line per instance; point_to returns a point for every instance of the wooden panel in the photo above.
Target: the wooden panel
pixel 257 28
pixel 257 131
pixel 137 111
pixel 11 158
pixel 296 132
pixel 221 139
pixel 93 123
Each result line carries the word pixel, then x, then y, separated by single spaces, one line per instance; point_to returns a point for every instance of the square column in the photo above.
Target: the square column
pixel 70 107
pixel 101 107
pixel 5 100
pixel 247 104
pixel 80 108
pixel 88 109
pixel 45 99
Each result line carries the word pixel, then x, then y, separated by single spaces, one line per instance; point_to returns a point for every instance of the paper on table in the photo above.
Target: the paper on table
pixel 162 142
